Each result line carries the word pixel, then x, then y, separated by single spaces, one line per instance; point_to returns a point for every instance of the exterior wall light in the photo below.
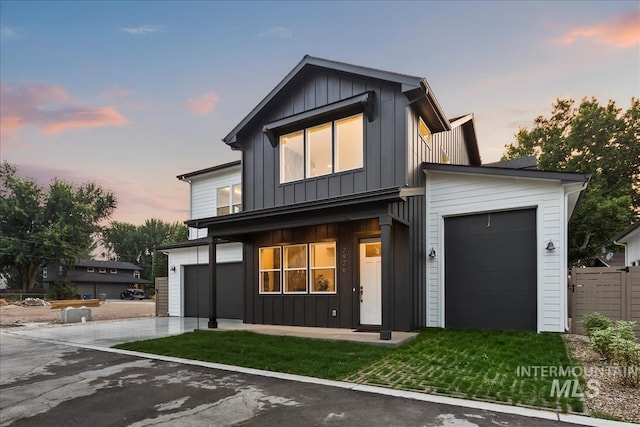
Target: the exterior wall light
pixel 550 246
pixel 173 268
pixel 432 253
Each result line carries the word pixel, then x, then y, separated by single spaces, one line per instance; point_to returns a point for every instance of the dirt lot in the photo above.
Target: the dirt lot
pixel 16 315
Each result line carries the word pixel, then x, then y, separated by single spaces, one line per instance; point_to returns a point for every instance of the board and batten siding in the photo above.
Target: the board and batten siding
pixel 451 194
pixel 451 142
pixel 180 257
pixel 204 197
pixel 385 145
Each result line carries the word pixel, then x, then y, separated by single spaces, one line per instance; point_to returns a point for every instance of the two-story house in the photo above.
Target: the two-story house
pixel 214 191
pixel 364 206
pixel 95 277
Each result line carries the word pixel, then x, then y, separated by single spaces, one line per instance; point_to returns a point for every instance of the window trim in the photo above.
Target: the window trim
pixel 361 103
pixel 335 269
pixel 136 274
pixel 287 269
pixel 308 269
pixel 305 149
pixel 91 270
pixel 261 270
pixel 229 206
pixel 114 271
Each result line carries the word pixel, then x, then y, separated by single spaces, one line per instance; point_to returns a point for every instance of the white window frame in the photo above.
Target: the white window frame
pixel 334 152
pixel 286 269
pixel 102 271
pixel 90 269
pixel 44 272
pixel 334 267
pixel 231 207
pixel 136 274
pixel 261 270
pixel 114 271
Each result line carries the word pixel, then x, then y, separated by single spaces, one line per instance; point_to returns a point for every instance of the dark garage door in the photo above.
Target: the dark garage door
pixel 490 271
pixel 197 291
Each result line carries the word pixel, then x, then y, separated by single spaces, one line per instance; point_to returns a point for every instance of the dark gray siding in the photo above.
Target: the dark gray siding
pixel 315 310
pixel 385 142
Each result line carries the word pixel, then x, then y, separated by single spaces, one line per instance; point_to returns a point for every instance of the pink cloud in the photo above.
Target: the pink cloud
pixel 203 104
pixel 50 109
pixel 619 31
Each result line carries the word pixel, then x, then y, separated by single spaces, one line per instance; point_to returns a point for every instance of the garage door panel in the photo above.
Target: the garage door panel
pixel 197 296
pixel 490 271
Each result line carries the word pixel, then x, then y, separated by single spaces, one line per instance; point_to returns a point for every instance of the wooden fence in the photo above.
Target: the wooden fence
pixel 612 292
pixel 162 296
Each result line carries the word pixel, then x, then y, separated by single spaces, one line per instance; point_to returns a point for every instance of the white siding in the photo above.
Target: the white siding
pixel 632 250
pixel 203 195
pixel 178 258
pixel 459 194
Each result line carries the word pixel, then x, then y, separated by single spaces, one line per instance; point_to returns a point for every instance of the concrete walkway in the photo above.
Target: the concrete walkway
pixel 102 335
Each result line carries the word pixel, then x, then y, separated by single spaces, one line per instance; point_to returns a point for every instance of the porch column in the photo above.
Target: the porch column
pixel 213 315
pixel 387 277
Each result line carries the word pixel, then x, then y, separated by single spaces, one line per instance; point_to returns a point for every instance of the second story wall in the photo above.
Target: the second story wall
pixel 204 195
pixel 385 146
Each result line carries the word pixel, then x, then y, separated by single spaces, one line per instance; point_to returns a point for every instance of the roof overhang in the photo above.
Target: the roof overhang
pixel 626 234
pixel 563 177
pixel 332 210
pixel 416 89
pixel 189 175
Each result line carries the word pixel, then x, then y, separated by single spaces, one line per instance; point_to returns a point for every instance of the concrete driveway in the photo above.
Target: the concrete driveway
pixel 77 380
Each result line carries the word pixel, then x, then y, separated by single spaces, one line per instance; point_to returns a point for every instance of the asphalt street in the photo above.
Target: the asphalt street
pixel 48 384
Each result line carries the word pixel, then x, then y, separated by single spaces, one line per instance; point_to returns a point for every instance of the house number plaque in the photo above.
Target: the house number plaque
pixel 343 260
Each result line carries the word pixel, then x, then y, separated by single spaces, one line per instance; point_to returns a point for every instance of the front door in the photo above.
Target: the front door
pixel 370 282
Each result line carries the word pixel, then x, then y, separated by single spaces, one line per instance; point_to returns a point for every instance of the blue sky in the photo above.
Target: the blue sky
pixel 131 94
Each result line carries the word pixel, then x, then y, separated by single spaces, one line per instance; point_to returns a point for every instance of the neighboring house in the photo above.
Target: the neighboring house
pixel 94 277
pixel 213 191
pixel 609 259
pixel 355 190
pixel 630 239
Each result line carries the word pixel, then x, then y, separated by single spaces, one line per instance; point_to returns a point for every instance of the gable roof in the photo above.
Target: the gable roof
pixel 626 232
pixel 468 124
pixel 216 168
pixel 415 88
pixel 526 162
pixel 106 264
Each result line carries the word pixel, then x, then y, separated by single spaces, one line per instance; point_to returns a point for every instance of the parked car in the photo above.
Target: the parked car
pixel 133 294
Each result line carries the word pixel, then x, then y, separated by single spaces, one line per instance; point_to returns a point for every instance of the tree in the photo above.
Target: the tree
pixel 598 139
pixel 136 244
pixel 40 226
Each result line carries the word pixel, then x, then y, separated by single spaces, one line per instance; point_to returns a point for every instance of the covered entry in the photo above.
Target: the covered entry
pixel 197 288
pixel 491 270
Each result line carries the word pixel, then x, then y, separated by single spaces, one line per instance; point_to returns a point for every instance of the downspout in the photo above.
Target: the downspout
pixel 563 263
pixel 626 252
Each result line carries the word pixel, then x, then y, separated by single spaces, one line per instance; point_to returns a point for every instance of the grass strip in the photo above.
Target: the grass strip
pixel 302 356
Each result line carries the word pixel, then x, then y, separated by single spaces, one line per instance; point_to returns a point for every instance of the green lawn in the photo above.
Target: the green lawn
pixel 472 364
pixel 302 356
pixel 476 365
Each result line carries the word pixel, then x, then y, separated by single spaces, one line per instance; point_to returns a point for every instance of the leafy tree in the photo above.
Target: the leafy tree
pixel 591 138
pixel 136 244
pixel 40 226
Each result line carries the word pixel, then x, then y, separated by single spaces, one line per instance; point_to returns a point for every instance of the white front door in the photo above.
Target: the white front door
pixel 370 282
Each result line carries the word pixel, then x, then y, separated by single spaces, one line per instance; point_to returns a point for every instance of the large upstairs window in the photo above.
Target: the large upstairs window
pixel 330 147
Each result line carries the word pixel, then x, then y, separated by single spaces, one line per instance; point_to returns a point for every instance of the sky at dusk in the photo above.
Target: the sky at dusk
pixel 131 94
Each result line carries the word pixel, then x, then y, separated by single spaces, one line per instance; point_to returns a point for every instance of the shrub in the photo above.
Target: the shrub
pixel 601 339
pixel 61 290
pixel 595 322
pixel 626 353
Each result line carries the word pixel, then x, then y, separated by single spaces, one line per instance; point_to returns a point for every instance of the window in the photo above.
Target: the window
pixel 299 262
pixel 423 130
pixel 331 147
pixel 44 273
pixel 60 270
pixel 114 271
pixel 229 199
pixel 102 270
pixel 295 269
pixel 322 260
pixel 136 274
pixel 90 270
pixel 270 270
